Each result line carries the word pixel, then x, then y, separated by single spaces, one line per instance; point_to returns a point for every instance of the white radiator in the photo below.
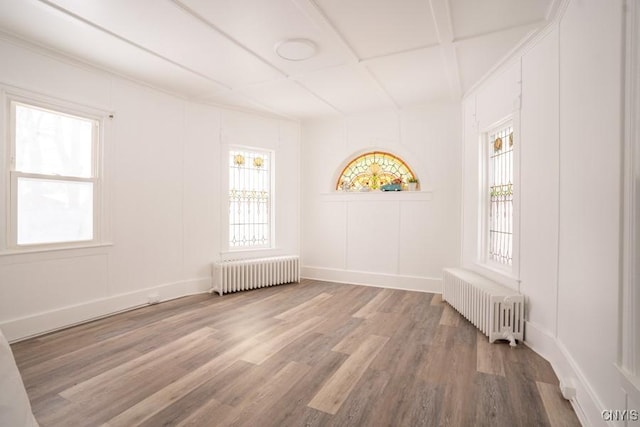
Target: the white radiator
pixel 242 275
pixel 495 310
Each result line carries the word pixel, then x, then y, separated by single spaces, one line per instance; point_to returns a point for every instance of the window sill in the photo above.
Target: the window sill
pixel 54 249
pixel 503 276
pixel 348 196
pixel 251 253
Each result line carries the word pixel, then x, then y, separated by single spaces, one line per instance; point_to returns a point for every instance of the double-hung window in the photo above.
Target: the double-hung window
pixel 53 174
pixel 250 198
pixel 499 194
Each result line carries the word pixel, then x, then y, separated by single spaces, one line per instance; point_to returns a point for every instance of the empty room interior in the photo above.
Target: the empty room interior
pixel 319 212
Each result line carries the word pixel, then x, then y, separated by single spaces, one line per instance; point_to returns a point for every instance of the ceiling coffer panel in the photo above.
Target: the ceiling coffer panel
pixel 289 98
pixel 348 89
pixel 47 26
pixel 413 78
pixel 374 28
pixel 260 25
pixel 472 18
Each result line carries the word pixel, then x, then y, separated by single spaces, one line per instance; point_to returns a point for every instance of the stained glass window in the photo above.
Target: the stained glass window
pixel 372 170
pixel 249 198
pixel 500 194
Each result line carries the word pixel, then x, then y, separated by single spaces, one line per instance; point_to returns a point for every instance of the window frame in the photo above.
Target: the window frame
pixel 484 258
pixel 271 244
pixel 97 118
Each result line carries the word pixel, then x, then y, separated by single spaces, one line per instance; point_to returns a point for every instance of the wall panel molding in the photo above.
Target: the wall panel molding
pixel 629 353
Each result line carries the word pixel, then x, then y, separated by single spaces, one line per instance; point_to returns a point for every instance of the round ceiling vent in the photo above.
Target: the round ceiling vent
pixel 295 49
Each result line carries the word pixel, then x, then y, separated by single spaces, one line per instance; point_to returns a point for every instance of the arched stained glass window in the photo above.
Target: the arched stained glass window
pixel 373 170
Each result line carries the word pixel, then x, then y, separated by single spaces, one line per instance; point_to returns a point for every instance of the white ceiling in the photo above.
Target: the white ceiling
pixel 372 54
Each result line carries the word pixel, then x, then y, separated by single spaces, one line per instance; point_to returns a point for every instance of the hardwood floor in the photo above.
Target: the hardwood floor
pixel 307 354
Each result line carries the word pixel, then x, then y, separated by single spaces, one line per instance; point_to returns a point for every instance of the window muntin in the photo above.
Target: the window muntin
pixel 54 183
pixel 250 195
pixel 373 170
pixel 500 194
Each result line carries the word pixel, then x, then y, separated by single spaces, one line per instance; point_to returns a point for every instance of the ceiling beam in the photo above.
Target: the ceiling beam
pixel 444 30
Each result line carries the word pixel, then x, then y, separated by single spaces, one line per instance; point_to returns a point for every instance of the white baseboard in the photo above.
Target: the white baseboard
pixel 51 320
pixel 631 386
pixel 381 280
pixel 586 403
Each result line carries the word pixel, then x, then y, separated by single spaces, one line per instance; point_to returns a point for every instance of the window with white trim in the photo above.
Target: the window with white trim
pixel 250 198
pixel 53 175
pixel 499 194
pixel 373 170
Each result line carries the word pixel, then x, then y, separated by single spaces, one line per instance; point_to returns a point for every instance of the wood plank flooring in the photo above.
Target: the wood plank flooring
pixel 307 354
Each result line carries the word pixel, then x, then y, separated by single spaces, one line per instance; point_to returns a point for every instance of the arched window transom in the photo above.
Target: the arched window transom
pixel 373 170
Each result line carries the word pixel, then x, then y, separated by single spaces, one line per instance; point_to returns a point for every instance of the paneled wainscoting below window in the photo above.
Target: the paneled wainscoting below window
pixel 307 354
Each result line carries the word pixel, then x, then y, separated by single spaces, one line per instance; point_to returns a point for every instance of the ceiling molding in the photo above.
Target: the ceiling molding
pixel 556 10
pixel 303 86
pixel 58 55
pixel 316 14
pixel 264 111
pixel 240 89
pixel 369 75
pixel 313 11
pixel 211 61
pixel 186 9
pixel 295 79
pixel 225 87
pixel 132 43
pixel 385 56
pixel 552 10
pixel 540 23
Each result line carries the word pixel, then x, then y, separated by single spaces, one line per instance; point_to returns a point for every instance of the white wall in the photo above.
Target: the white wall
pixel 569 83
pixel 539 168
pixel 165 207
pixel 590 189
pixel 399 240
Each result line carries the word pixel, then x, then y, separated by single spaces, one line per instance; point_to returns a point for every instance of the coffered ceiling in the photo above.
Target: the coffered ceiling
pixel 371 54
